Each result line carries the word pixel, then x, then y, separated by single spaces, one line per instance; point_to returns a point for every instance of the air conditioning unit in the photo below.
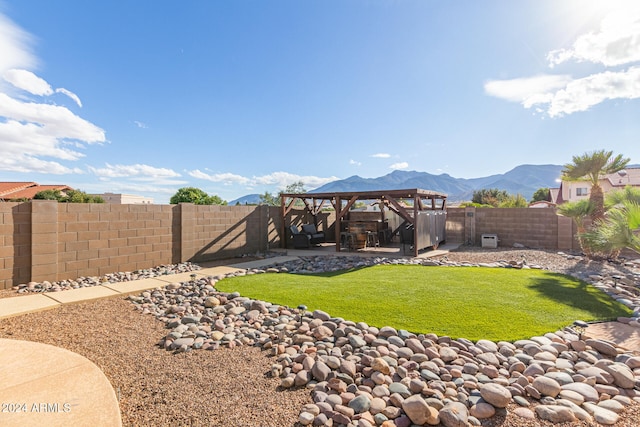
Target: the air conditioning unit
pixel 489 240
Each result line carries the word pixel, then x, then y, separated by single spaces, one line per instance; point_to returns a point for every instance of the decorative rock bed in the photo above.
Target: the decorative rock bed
pixel 360 375
pixel 126 276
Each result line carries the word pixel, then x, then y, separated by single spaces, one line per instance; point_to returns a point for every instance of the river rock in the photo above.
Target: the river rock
pixel 602 347
pixel 482 410
pixel 585 390
pixel 546 386
pixel 495 394
pixel 555 414
pixel 601 415
pixel 320 370
pixel 416 409
pixel 360 404
pixel 622 375
pixel 454 414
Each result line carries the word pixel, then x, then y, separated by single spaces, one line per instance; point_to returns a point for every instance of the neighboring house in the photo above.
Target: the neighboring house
pixel 542 204
pixel 125 199
pixel 571 191
pixel 13 191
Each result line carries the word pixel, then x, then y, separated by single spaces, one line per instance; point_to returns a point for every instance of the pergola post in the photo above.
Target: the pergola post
pixel 416 203
pixel 338 225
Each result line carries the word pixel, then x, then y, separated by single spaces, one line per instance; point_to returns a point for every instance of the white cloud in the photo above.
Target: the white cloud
pixel 70 94
pixel 140 124
pixel 277 179
pixel 616 43
pixel 15 45
pixel 28 164
pixel 227 178
pixel 282 179
pixel 523 89
pixel 27 81
pixel 583 93
pixel 399 165
pixel 23 145
pixel 355 162
pixel 136 171
pixel 381 155
pixel 565 96
pixel 32 131
pixel 57 121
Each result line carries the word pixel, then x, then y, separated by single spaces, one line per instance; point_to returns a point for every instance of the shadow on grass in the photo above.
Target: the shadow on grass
pixel 581 296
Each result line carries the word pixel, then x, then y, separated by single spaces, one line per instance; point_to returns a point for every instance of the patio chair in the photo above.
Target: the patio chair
pixel 315 237
pixel 300 240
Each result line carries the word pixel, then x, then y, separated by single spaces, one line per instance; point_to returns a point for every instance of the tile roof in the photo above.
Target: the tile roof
pixel 627 176
pixel 10 187
pixel 25 190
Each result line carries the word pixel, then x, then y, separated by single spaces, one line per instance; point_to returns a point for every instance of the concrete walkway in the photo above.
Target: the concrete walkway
pixel 44 385
pixel 16 306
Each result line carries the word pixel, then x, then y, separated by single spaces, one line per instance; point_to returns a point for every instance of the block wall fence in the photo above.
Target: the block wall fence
pixel 540 228
pixel 45 240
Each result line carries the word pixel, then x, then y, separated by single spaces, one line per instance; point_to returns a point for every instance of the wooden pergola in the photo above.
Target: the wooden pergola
pixel 408 204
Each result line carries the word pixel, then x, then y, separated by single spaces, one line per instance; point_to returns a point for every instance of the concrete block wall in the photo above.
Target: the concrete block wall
pixel 534 228
pixel 519 225
pixel 214 232
pixel 45 240
pixel 15 244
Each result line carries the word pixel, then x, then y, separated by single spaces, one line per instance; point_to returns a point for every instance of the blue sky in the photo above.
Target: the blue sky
pixel 243 97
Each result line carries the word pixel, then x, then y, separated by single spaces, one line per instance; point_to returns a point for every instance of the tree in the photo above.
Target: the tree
pixel 294 188
pixel 618 230
pixel 517 201
pixel 70 196
pixel 541 195
pixel 77 196
pixel 591 167
pixel 272 200
pixel 619 197
pixel 579 211
pixel 489 196
pixel 620 227
pixel 48 195
pixel 215 200
pixel 269 199
pixel 195 196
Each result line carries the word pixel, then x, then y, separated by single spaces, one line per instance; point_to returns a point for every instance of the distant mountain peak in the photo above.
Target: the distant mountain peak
pixel 523 179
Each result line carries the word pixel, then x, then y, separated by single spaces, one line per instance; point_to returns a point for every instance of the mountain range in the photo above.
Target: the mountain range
pixel 523 179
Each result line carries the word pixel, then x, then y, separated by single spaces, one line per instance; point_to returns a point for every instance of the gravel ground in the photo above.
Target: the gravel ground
pixel 207 388
pixel 548 259
pixel 156 387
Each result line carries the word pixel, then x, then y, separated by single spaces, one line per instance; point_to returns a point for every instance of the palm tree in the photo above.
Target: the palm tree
pixel 620 229
pixel 619 197
pixel 579 211
pixel 591 167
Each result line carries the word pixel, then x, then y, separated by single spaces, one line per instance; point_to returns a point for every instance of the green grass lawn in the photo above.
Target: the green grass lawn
pixel 469 302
